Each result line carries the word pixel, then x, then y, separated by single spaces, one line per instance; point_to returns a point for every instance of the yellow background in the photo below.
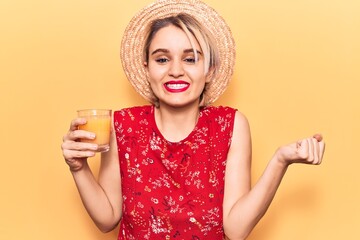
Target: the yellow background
pixel 297 73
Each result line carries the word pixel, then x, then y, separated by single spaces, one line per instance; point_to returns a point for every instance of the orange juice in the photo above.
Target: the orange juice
pixel 98 122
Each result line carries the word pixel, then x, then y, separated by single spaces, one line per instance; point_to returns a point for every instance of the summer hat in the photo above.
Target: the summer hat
pixel 133 41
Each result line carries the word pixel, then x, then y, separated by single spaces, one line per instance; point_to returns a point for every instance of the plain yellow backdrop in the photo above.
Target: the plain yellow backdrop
pixel 297 73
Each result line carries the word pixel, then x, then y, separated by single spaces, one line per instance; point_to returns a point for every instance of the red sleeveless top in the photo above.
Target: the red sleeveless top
pixel 172 190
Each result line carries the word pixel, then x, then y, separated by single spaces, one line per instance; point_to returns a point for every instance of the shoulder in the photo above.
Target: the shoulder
pixel 216 112
pixel 133 111
pixel 241 132
pixel 241 120
pixel 238 117
pixel 218 109
pixel 128 119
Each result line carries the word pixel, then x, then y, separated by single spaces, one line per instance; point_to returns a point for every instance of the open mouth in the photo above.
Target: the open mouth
pixel 176 86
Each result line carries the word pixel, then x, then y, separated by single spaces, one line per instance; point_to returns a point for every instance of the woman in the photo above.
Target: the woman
pixel 184 164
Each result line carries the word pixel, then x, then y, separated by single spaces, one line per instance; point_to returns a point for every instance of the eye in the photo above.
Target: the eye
pixel 190 60
pixel 161 60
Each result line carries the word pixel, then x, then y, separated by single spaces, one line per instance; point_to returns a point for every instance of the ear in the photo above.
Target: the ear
pixel 210 74
pixel 146 66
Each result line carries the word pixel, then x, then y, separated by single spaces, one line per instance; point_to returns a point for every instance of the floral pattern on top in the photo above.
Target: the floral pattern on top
pixel 172 190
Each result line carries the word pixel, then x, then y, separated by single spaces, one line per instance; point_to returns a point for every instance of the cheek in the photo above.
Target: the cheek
pixel 198 75
pixel 155 73
pixel 155 77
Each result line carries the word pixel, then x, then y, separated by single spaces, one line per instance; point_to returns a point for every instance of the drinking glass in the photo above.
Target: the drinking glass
pixel 98 121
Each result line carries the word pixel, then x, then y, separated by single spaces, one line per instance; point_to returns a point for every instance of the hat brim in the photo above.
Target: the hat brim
pixel 132 45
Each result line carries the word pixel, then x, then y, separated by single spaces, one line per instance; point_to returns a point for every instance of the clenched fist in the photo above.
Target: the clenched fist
pixel 309 151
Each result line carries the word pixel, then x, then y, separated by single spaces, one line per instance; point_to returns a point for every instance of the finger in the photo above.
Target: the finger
pixel 318 137
pixel 76 122
pixel 72 154
pixel 79 146
pixel 303 149
pixel 79 134
pixel 321 150
pixel 316 151
pixel 311 155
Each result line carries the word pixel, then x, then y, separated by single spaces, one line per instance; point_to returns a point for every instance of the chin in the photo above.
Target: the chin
pixel 180 104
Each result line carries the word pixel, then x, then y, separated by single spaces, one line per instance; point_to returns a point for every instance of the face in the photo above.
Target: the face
pixel 176 77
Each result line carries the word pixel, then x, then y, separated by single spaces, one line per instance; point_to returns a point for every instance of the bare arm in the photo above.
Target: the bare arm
pixel 243 206
pixel 101 198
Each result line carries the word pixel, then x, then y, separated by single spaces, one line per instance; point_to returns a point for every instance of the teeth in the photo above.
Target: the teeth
pixel 177 86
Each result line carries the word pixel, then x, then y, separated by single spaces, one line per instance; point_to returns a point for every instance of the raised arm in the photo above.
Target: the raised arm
pixel 101 198
pixel 243 206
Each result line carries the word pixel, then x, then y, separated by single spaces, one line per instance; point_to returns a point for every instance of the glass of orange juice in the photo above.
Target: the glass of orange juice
pixel 98 121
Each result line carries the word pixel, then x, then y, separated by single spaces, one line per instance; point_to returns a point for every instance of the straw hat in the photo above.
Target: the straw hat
pixel 133 41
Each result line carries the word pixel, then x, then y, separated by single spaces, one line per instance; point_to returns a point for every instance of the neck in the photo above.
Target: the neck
pixel 176 123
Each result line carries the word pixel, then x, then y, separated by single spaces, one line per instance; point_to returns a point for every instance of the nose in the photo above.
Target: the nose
pixel 176 69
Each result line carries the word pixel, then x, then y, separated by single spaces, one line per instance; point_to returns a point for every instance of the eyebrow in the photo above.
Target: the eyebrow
pixel 163 50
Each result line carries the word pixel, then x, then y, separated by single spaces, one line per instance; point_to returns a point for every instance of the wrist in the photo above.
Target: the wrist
pixel 280 159
pixel 79 167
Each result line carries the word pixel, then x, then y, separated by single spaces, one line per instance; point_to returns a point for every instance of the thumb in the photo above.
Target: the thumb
pixel 318 137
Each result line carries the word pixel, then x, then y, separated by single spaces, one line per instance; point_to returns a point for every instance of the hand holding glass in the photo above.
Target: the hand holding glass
pixel 98 121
